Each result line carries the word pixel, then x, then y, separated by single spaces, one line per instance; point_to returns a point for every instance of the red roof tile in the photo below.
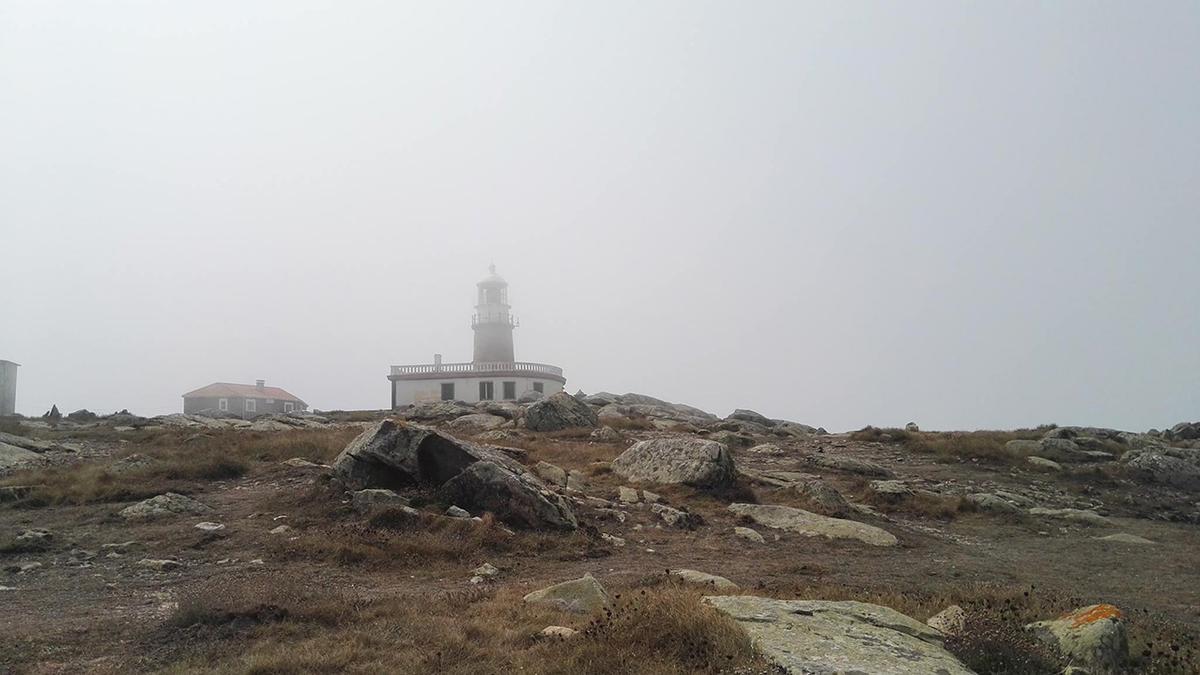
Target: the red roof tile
pixel 228 390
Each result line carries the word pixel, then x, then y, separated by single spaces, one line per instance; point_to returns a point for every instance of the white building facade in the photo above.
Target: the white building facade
pixel 492 375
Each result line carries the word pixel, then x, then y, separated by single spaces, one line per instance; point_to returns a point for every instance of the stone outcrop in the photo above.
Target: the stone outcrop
pixel 1092 637
pixel 162 506
pixel 692 461
pixel 825 637
pixel 560 411
pixel 579 596
pixel 811 524
pixel 1176 467
pixel 1087 517
pixel 373 499
pixel 477 477
pixel 477 422
pixel 951 621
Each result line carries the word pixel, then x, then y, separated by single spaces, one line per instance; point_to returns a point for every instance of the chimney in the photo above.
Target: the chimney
pixel 259 383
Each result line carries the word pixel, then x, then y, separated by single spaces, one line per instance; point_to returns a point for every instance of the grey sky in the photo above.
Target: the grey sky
pixel 965 214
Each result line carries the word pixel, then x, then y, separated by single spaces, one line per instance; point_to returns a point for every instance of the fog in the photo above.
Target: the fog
pixel 964 214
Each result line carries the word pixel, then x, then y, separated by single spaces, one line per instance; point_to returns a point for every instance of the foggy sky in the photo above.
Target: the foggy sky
pixel 964 214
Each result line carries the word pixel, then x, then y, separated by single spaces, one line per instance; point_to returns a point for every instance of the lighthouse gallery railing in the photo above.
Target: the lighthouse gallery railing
pixel 479 367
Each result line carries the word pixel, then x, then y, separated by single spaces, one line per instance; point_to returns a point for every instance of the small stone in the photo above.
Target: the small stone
pixel 651 497
pixel 160 565
pixel 456 512
pixel 612 539
pixel 951 621
pixel 675 517
pixel 477 579
pixel 1044 464
pixel 581 596
pixel 704 579
pixel 559 631
pixel 282 529
pixel 210 527
pixel 627 495
pixel 486 570
pixel 749 535
pixel 1124 538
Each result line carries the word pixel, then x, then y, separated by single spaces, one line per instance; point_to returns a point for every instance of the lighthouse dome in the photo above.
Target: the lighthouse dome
pixel 492 279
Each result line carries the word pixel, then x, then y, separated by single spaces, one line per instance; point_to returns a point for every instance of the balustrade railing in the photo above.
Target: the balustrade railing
pixel 479 367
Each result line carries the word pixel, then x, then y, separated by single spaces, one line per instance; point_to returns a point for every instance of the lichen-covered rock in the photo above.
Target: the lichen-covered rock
pixel 951 621
pixel 853 465
pixel 580 596
pixel 516 498
pixel 560 411
pixel 1177 467
pixel 477 422
pixel 823 637
pixel 673 517
pixel 163 505
pixel 372 499
pixel 986 501
pixel 1085 516
pixel 749 535
pixel 811 524
pixel 477 477
pixel 1092 636
pixel 822 497
pixel 1043 463
pixel 704 579
pixel 552 474
pixel 692 461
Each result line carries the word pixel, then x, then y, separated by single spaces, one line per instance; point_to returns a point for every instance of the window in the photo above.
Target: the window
pixel 510 391
pixel 448 391
pixel 251 405
pixel 270 401
pixel 288 406
pixel 486 391
pixel 537 386
pixel 223 404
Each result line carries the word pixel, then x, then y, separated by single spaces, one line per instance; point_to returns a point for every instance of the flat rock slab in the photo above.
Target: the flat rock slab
pixel 1076 515
pixel 817 637
pixel 1126 538
pixel 811 524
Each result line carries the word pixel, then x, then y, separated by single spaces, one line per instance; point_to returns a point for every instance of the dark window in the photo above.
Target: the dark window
pixel 448 391
pixel 485 391
pixel 510 391
pixel 537 386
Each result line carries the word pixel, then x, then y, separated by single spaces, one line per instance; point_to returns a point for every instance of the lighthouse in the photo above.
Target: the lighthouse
pixel 492 374
pixel 493 321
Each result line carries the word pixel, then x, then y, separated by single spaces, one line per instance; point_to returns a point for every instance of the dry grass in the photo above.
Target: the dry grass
pixel 176 461
pixel 988 446
pixel 246 629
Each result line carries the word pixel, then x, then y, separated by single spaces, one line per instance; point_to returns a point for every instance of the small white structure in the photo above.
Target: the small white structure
pixel 493 374
pixel 8 387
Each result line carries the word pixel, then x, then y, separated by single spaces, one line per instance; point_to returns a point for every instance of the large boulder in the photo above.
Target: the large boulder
pixel 437 411
pixel 692 461
pixel 826 637
pixel 1092 637
pixel 580 596
pixel 1176 467
pixel 517 498
pixel 811 524
pixel 560 411
pixel 162 506
pixel 390 454
pixel 744 415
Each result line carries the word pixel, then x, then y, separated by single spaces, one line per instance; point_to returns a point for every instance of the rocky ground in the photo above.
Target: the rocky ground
pixel 592 534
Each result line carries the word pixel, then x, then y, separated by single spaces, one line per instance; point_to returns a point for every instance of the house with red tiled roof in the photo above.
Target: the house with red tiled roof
pixel 244 400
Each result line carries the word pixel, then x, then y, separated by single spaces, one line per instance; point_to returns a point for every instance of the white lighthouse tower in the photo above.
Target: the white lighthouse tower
pixel 493 321
pixel 493 374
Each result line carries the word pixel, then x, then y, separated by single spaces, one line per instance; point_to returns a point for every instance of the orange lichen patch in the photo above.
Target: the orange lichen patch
pixel 1092 614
